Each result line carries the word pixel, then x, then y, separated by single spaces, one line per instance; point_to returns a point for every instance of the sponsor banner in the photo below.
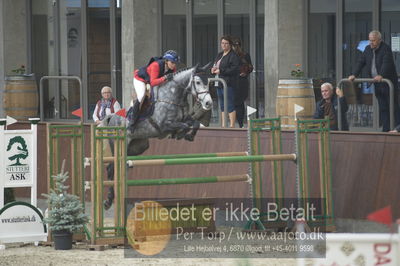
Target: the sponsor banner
pixel 21 222
pixel 17 159
pixel 359 249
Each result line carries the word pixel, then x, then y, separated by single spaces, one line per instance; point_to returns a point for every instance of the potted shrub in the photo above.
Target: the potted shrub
pixel 66 213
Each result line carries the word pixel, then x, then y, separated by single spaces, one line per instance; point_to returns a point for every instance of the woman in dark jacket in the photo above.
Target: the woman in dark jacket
pixel 226 66
pixel 242 92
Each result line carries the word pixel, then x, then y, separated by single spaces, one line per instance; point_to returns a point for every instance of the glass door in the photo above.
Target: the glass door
pixel 194 32
pixel 43 50
pixel 116 59
pixel 99 51
pixel 357 23
pixel 70 47
pixel 174 28
pixel 76 38
pixel 390 27
pixel 204 30
pixel 104 50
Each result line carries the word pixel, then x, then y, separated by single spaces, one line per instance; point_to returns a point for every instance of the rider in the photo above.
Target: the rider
pixel 157 71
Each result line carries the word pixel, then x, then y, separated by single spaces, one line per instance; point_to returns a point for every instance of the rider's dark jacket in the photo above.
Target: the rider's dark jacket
pixel 153 74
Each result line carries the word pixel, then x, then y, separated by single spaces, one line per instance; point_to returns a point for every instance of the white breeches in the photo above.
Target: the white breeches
pixel 140 89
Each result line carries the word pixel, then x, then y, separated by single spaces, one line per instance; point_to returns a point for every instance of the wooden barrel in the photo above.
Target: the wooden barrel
pixel 21 97
pixel 291 92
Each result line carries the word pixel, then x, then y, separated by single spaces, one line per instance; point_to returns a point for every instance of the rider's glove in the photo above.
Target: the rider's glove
pixel 169 76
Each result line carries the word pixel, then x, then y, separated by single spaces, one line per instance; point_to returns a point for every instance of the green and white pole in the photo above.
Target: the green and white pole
pixel 187 180
pixel 204 160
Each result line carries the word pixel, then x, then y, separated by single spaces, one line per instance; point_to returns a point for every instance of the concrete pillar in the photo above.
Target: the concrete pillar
pixel 13 40
pixel 140 39
pixel 2 84
pixel 14 34
pixel 285 40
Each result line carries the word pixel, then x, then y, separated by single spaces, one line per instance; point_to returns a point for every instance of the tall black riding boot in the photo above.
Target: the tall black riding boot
pixel 133 115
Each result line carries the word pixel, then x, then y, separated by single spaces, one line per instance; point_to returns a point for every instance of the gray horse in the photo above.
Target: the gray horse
pixel 170 115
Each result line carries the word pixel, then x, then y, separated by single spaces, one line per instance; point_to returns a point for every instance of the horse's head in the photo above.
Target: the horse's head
pixel 195 81
pixel 199 87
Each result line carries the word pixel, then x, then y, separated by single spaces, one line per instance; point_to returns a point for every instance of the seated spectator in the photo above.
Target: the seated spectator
pixel 328 106
pixel 106 105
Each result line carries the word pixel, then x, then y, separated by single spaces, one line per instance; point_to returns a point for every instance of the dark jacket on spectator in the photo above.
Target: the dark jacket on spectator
pixel 319 112
pixel 386 68
pixel 229 68
pixel 383 61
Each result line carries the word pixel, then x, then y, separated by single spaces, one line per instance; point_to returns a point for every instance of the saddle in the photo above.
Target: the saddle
pixel 146 111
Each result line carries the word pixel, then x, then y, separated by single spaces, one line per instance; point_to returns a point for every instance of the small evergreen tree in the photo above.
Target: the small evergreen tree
pixel 66 212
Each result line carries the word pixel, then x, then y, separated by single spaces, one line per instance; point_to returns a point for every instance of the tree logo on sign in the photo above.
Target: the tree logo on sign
pixel 21 151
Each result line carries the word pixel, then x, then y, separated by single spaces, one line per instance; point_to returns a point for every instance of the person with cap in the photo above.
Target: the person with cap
pixel 107 105
pixel 156 72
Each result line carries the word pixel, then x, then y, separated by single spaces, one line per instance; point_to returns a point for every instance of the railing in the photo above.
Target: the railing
pixel 225 98
pixel 59 78
pixel 391 99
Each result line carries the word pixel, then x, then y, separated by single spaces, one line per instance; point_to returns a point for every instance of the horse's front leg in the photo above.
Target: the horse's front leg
pixel 184 132
pixel 191 135
pixel 174 126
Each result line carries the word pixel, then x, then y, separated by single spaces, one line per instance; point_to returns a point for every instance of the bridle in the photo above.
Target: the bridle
pixel 193 88
pixel 196 93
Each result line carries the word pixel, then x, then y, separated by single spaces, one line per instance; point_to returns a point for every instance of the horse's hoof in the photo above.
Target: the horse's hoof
pixel 107 204
pixel 189 137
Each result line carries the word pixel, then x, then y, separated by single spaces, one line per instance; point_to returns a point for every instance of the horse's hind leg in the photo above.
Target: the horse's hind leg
pixel 110 195
pixel 137 146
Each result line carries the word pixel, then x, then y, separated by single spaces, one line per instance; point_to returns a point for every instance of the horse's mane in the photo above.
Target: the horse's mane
pixel 178 74
pixel 182 70
pixel 202 74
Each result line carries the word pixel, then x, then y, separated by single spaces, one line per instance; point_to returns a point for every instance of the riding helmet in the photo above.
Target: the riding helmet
pixel 172 56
